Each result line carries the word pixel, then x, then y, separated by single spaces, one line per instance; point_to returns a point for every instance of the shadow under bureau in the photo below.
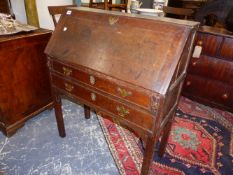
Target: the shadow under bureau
pixel 129 68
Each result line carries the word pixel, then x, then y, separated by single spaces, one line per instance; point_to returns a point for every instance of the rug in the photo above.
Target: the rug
pixel 37 149
pixel 200 143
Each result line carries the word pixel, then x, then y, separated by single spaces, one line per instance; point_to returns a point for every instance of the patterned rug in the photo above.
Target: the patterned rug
pixel 200 143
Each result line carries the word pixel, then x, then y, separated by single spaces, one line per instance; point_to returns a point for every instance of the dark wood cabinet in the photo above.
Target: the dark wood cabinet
pixel 24 83
pixel 210 76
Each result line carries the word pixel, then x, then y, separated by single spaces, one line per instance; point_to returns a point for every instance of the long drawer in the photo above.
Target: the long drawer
pixel 208 90
pixel 106 84
pixel 95 99
pixel 210 43
pixel 212 68
pixel 227 49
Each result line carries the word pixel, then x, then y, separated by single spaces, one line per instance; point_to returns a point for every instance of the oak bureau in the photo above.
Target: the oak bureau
pixel 127 67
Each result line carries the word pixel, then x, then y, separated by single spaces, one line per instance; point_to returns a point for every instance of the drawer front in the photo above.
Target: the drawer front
pixel 210 90
pixel 227 49
pixel 107 85
pixel 96 100
pixel 210 43
pixel 213 68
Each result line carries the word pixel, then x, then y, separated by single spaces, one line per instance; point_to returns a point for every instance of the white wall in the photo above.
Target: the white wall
pixel 19 10
pixel 45 19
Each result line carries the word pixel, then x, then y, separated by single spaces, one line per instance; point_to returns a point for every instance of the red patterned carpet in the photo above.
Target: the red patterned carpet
pixel 200 143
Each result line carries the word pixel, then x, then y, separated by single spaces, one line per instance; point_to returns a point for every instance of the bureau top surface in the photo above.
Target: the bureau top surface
pixel 142 51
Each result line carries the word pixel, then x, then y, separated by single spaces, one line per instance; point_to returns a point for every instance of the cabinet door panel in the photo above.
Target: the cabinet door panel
pixel 209 91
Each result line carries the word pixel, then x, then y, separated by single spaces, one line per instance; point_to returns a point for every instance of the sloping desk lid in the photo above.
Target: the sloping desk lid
pixel 140 50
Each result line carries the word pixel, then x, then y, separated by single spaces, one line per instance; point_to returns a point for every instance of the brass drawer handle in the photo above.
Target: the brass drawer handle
pixel 92 79
pixel 69 87
pixel 122 111
pixel 67 71
pixel 188 83
pixel 194 63
pixel 93 97
pixel 123 92
pixel 225 96
pixel 200 43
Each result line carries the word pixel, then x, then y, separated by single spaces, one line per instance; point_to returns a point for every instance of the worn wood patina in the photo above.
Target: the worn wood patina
pixel 129 68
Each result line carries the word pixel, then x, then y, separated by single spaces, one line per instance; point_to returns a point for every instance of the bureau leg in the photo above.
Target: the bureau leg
pixel 87 112
pixel 148 155
pixel 10 131
pixel 164 139
pixel 59 116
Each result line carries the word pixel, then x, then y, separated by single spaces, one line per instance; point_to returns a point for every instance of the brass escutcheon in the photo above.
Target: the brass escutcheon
pixel 123 92
pixel 69 87
pixel 93 97
pixel 92 80
pixel 122 111
pixel 113 20
pixel 67 71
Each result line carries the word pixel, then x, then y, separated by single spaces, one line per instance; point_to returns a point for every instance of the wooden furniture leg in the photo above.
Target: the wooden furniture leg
pixel 59 116
pixel 148 155
pixel 87 112
pixel 164 139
